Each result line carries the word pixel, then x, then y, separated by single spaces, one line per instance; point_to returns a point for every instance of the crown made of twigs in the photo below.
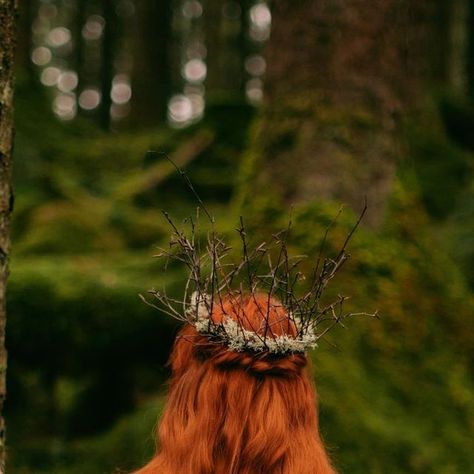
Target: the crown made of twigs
pixel 215 277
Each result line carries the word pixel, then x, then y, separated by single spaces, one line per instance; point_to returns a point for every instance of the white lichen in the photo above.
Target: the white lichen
pixel 239 339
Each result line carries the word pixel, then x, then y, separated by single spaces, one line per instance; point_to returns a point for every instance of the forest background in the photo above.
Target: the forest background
pixel 303 104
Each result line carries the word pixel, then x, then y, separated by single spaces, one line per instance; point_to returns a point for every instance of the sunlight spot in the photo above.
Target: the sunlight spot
pixel 195 70
pixel 64 106
pixel 50 75
pixel 41 56
pixel 89 99
pixel 254 90
pixel 261 16
pixel 192 9
pixel 255 65
pixel 58 37
pixel 180 109
pixel 121 91
pixel 93 28
pixel 67 81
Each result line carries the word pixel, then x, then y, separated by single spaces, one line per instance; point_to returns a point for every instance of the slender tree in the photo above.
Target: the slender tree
pixel 470 58
pixel 7 42
pixel 151 78
pixel 24 44
pixel 107 65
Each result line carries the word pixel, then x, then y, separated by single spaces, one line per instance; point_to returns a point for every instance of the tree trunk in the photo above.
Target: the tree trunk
pixel 339 76
pixel 107 65
pixel 24 44
pixel 7 42
pixel 151 81
pixel 470 53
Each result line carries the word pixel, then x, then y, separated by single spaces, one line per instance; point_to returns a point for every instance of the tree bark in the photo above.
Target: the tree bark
pixel 107 66
pixel 470 53
pixel 151 78
pixel 7 42
pixel 340 75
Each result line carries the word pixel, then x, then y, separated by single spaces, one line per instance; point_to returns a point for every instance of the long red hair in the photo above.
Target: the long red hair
pixel 236 412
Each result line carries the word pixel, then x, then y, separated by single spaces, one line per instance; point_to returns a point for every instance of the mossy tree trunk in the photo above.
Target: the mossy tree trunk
pixel 340 77
pixel 7 42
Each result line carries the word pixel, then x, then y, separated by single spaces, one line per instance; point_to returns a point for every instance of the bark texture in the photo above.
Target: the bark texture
pixel 340 75
pixel 7 42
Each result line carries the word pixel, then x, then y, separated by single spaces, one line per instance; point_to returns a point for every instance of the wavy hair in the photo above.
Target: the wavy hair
pixel 239 412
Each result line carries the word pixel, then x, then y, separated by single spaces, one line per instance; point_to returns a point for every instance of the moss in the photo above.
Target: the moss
pixel 131 438
pixel 386 386
pixel 442 168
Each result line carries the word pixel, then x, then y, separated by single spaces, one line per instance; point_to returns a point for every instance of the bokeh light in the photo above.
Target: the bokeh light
pixel 58 37
pixel 260 15
pixel 195 70
pixel 41 56
pixel 261 19
pixel 93 28
pixel 121 92
pixel 255 65
pixel 67 81
pixel 89 99
pixel 254 90
pixel 192 9
pixel 180 109
pixel 50 75
pixel 64 106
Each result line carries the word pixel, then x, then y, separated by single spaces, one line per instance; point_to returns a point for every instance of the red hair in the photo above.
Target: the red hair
pixel 239 412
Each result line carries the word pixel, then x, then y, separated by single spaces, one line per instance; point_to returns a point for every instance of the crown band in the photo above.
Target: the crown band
pixel 239 339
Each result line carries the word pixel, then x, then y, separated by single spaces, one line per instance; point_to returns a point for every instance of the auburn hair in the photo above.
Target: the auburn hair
pixel 233 412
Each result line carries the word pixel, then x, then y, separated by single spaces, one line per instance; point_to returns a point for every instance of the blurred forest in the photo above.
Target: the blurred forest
pixel 306 103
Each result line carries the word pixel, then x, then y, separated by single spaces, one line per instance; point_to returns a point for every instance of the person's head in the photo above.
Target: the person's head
pixel 234 412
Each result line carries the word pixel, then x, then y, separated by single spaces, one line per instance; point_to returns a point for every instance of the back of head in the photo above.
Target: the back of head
pixel 239 412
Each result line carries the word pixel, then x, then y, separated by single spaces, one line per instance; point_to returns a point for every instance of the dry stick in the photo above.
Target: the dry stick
pixel 250 275
pixel 334 265
pixel 274 275
pixel 186 179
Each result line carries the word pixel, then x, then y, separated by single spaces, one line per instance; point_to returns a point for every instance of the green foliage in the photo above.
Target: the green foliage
pixel 443 169
pixel 396 395
pixel 131 438
pixel 82 347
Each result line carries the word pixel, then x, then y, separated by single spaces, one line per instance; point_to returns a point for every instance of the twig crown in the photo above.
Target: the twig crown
pixel 266 268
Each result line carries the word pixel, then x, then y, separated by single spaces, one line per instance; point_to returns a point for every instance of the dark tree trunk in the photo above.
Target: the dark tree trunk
pixel 340 74
pixel 23 51
pixel 79 22
pixel 151 81
pixel 245 46
pixel 107 57
pixel 470 54
pixel 212 28
pixel 7 42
